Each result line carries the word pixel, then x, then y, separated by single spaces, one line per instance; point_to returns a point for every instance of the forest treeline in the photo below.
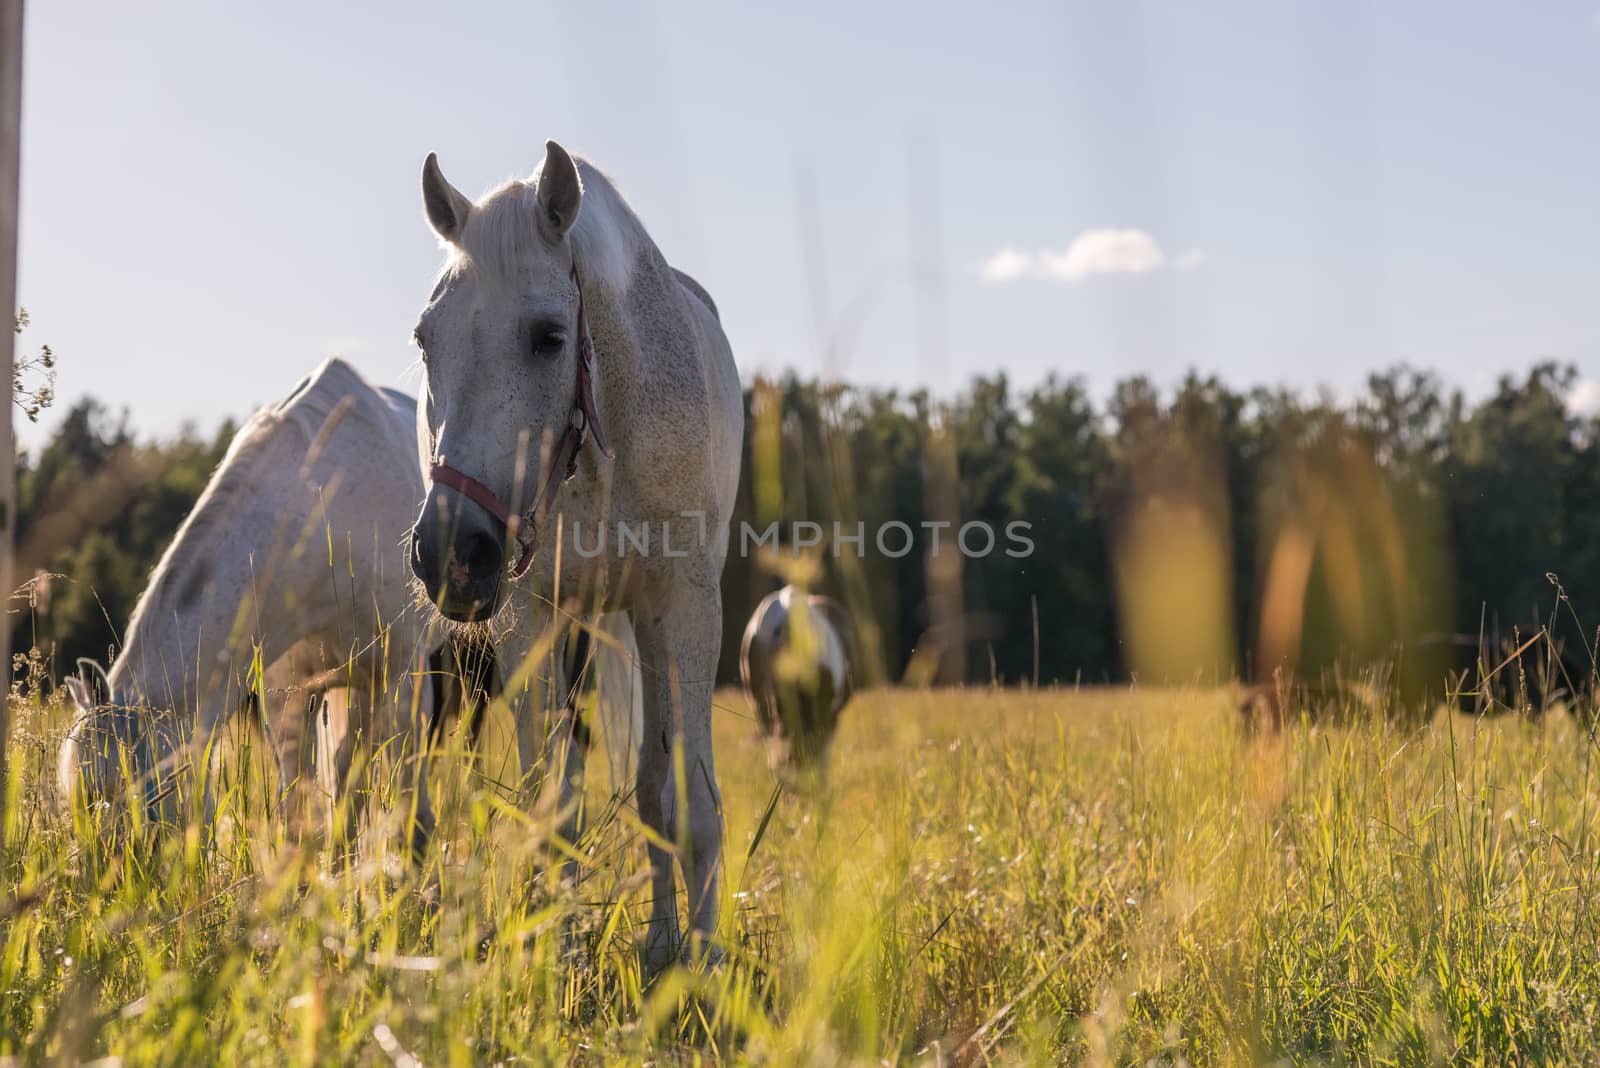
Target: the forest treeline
pixel 1177 534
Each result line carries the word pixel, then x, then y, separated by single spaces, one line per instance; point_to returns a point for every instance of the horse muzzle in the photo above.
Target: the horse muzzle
pixel 459 555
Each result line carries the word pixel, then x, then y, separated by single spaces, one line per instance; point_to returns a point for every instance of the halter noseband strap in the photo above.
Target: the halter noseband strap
pixel 582 420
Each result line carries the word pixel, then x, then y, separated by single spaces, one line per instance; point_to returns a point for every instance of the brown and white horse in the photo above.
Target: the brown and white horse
pixel 797 663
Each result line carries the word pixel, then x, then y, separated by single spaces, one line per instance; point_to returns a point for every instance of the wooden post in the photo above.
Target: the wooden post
pixel 10 155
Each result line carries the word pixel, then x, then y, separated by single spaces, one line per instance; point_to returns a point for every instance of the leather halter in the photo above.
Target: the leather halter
pixel 582 420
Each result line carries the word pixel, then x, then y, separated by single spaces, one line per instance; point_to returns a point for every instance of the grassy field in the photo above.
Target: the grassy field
pixel 1108 876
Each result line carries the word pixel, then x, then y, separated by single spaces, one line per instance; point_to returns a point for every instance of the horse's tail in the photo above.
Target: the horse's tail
pixel 620 685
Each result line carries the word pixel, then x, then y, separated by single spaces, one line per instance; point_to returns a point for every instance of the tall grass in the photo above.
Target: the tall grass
pixel 1100 877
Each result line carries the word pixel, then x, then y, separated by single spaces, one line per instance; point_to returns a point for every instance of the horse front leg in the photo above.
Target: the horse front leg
pixel 651 784
pixel 532 680
pixel 525 689
pixel 294 714
pixel 345 729
pixel 619 698
pixel 415 700
pixel 289 714
pixel 567 742
pixel 543 693
pixel 678 646
pixel 527 685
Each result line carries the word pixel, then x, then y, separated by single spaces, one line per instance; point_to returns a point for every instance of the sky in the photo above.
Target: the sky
pixel 217 196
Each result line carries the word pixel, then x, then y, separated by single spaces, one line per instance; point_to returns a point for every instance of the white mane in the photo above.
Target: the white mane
pixel 608 239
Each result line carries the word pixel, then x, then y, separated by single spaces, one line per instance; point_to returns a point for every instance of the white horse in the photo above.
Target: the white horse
pixel 797 664
pixel 556 321
pixel 291 559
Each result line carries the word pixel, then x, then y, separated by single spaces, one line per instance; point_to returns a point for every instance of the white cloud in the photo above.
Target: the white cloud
pixel 1103 250
pixel 1007 264
pixel 1585 398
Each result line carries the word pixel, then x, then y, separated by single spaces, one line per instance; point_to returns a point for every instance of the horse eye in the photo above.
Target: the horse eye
pixel 548 342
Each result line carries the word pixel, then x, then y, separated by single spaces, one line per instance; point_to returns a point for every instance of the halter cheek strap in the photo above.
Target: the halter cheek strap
pixel 582 420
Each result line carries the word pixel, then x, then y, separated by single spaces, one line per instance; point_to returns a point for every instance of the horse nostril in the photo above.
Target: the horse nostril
pixel 419 559
pixel 483 554
pixel 427 562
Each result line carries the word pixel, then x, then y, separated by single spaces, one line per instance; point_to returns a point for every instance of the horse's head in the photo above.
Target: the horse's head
pixel 105 734
pixel 499 340
pixel 115 743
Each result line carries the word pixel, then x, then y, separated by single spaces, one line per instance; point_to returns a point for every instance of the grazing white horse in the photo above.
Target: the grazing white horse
pixel 558 333
pixel 292 557
pixel 797 663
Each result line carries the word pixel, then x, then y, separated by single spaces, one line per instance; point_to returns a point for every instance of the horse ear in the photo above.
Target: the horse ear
pixel 80 693
pixel 447 208
pixel 96 687
pixel 560 191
